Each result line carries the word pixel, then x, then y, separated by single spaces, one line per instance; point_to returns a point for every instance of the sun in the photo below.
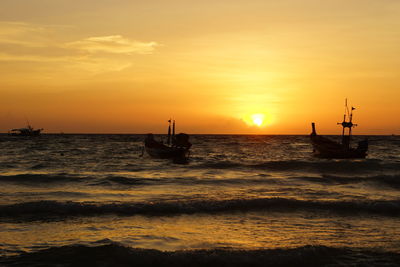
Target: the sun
pixel 257 119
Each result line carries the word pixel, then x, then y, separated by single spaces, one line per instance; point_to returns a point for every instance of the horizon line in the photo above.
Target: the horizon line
pixel 299 134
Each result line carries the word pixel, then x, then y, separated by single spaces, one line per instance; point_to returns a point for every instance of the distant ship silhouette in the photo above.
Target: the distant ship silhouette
pixel 28 131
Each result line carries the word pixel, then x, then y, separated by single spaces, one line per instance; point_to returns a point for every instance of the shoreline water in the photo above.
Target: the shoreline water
pixel 61 194
pixel 113 254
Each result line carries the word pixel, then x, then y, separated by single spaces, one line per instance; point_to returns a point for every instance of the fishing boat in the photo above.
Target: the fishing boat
pixel 176 148
pixel 326 148
pixel 27 131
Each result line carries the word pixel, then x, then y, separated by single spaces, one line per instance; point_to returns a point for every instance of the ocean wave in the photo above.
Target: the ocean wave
pixel 46 179
pixel 384 180
pixel 189 181
pixel 40 178
pixel 111 180
pixel 115 254
pixel 315 165
pixel 38 166
pixel 41 209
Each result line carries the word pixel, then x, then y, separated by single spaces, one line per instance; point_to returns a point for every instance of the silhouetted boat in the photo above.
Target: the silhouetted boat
pixel 28 131
pixel 326 148
pixel 176 148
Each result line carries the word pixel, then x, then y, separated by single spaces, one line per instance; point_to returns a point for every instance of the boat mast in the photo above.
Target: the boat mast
pixel 347 124
pixel 344 116
pixel 173 133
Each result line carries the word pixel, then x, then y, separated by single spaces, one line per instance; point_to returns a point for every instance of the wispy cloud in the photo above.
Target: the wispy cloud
pixel 113 44
pixel 20 33
pixel 24 42
pixel 31 58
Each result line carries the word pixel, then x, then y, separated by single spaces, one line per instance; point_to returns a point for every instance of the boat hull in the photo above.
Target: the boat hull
pixel 167 152
pixel 325 148
pixel 32 133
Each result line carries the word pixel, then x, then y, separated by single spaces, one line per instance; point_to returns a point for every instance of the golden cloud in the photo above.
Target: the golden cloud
pixel 22 42
pixel 113 44
pixel 24 34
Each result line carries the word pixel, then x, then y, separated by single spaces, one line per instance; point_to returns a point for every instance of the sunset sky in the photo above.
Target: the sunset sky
pixel 228 66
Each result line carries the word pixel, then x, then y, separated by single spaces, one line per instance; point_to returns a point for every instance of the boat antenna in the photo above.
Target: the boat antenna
pixel 169 132
pixel 28 123
pixel 351 120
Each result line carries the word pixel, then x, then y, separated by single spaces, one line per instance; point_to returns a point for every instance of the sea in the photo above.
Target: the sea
pixel 242 200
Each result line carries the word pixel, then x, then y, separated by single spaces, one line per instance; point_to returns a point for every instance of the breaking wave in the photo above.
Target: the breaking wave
pixel 42 209
pixel 115 254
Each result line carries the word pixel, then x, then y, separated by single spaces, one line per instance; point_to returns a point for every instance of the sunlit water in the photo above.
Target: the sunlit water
pixel 237 192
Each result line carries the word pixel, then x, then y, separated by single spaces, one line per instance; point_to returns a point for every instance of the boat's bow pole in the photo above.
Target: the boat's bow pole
pixel 314 132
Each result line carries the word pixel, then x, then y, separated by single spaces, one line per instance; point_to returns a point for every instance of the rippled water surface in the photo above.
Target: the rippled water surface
pixel 256 194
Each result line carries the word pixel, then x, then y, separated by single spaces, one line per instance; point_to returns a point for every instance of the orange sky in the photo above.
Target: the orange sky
pixel 125 66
